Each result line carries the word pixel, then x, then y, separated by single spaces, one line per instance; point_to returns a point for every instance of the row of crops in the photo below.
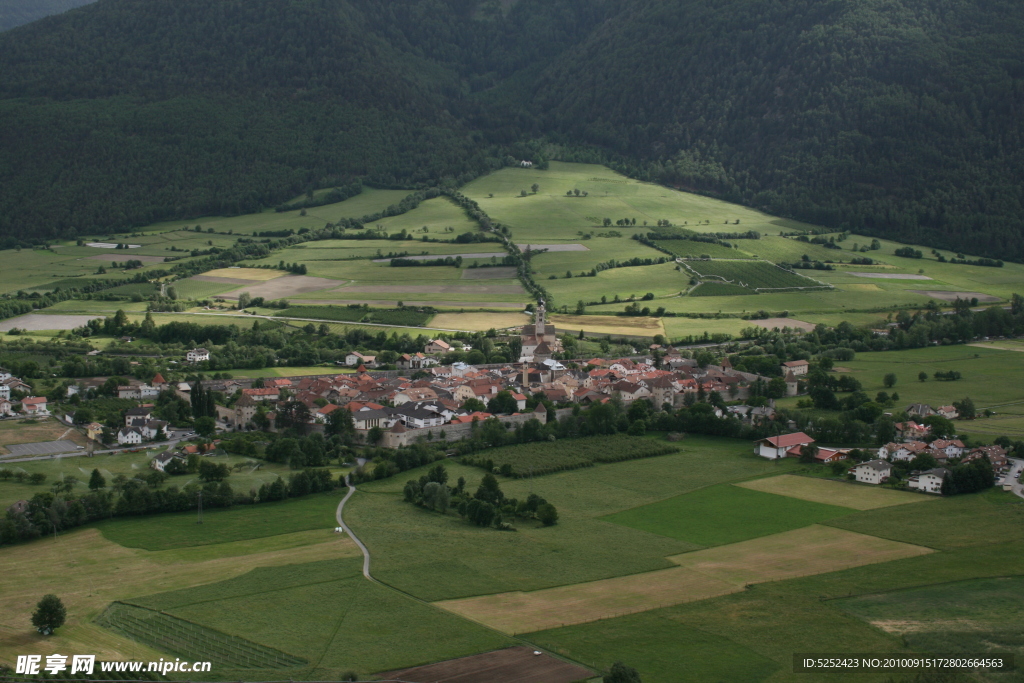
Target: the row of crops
pixel 756 276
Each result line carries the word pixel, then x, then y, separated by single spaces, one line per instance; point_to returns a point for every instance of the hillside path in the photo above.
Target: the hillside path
pixel 341 523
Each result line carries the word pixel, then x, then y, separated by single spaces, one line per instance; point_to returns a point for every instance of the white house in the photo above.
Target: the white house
pixel 197 355
pixel 6 408
pixel 953 448
pixel 133 414
pixel 929 481
pixel 355 358
pixel 128 392
pixel 34 405
pixel 775 447
pixel 129 436
pixel 5 374
pixel 159 462
pixel 902 451
pixel 872 472
pixel 5 392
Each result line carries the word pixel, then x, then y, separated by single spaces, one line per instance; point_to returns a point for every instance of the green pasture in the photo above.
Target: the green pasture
pixel 179 530
pixel 725 514
pixel 434 214
pixel 197 289
pixel 751 274
pixel 328 614
pixel 685 327
pixel 550 214
pixel 752 635
pixel 661 280
pixel 581 547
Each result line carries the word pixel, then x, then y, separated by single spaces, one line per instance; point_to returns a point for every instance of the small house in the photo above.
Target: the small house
pixel 797 367
pixel 872 472
pixel 34 405
pixel 929 481
pixel 775 447
pixel 129 436
pixel 197 356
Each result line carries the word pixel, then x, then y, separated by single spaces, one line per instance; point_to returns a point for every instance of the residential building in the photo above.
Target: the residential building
pixel 920 410
pixel 197 356
pixel 437 346
pixel 133 414
pixel 6 408
pixel 159 462
pixel 948 412
pixel 34 405
pixel 129 436
pixel 929 481
pixel 953 448
pixel 872 471
pixel 355 359
pixel 262 394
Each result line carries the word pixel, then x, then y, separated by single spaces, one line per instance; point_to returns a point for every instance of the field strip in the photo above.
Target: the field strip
pixel 987 345
pixel 253 274
pixel 815 549
pixel 700 575
pixel 850 495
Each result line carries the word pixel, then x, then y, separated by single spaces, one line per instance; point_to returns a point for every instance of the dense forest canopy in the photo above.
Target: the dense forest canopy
pixel 900 118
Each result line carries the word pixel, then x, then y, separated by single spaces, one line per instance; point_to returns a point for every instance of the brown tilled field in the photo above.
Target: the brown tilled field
pixel 512 665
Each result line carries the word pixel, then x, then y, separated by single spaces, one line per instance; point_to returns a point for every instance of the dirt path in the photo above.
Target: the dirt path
pixel 348 530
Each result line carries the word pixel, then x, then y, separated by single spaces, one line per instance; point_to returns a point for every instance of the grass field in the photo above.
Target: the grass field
pixel 701 575
pixel 88 572
pixel 478 322
pixel 254 274
pixel 544 458
pixel 587 548
pixel 179 530
pixel 608 325
pixel 361 621
pixel 753 275
pixel 844 494
pixel 725 514
pixel 962 617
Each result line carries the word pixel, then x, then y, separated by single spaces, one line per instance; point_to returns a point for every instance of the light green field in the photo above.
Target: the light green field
pixel 436 215
pixel 677 328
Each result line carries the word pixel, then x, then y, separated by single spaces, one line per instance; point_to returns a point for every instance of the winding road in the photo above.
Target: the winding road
pixel 348 530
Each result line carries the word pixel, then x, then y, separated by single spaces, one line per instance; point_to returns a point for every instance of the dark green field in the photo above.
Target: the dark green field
pixel 725 514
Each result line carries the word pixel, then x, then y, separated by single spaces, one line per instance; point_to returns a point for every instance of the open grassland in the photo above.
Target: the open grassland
pixel 702 574
pixel 661 280
pixel 70 265
pixel 586 547
pixel 844 494
pixel 993 378
pixel 329 615
pixel 676 328
pixel 545 458
pixel 88 572
pixel 434 214
pixel 963 617
pixel 179 530
pixel 607 325
pixel 725 514
pixel 255 274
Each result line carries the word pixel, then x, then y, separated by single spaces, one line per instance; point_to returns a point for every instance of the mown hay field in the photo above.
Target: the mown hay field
pixel 845 494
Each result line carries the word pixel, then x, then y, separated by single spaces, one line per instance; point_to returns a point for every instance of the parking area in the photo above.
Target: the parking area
pixel 42 448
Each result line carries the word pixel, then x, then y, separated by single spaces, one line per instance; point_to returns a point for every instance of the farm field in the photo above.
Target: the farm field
pixel 354 613
pixel 976 616
pixel 848 495
pixel 701 575
pixel 80 566
pixel 752 275
pixel 544 458
pixel 723 514
pixel 608 325
pixel 588 547
pixel 31 430
pixel 478 322
pixel 676 328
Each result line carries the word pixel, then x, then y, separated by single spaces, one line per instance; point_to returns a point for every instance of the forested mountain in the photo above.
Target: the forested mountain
pixel 900 118
pixel 17 12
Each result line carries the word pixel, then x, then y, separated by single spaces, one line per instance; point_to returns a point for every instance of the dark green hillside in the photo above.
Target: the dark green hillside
pixel 902 119
pixel 17 12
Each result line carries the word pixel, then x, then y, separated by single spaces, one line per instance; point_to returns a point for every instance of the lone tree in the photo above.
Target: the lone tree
pixel 49 614
pixel 621 673
pixel 547 514
pixel 96 480
pixel 922 376
pixel 890 380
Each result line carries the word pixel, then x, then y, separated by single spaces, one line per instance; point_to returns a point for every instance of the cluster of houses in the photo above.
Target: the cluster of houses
pixel 879 470
pixel 10 387
pixel 139 426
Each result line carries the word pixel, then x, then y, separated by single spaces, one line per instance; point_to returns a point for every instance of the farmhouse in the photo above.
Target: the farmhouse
pixel 929 481
pixel 902 451
pixel 197 356
pixel 129 436
pixel 414 361
pixel 160 462
pixel 872 472
pixel 355 359
pixel 953 448
pixel 797 367
pixel 948 412
pixel 911 431
pixel 920 410
pixel 775 447
pixel 831 454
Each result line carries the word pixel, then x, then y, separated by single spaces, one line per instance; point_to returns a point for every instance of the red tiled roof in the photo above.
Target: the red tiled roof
pixel 787 440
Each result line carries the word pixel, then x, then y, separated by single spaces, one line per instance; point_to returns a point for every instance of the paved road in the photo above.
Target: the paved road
pixel 1014 476
pixel 341 523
